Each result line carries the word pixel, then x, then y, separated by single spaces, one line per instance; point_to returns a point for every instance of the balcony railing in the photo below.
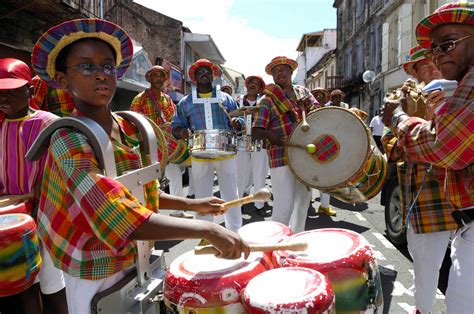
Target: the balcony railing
pixel 334 82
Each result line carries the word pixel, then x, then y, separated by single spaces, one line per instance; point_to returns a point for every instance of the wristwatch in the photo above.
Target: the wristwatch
pixel 396 117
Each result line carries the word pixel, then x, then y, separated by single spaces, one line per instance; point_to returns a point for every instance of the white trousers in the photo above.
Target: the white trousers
pixel 252 169
pixel 226 171
pixel 324 199
pixel 427 251
pixel 460 293
pixel 291 199
pixel 50 278
pixel 79 292
pixel 191 181
pixel 173 173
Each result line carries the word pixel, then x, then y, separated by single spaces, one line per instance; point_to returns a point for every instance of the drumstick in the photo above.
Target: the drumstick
pixel 310 148
pixel 7 200
pixel 295 246
pixel 261 195
pixel 304 125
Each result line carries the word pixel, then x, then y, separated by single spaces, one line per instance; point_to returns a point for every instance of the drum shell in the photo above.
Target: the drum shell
pixel 20 258
pixel 21 207
pixel 353 270
pixel 201 283
pixel 212 144
pixel 305 291
pixel 178 151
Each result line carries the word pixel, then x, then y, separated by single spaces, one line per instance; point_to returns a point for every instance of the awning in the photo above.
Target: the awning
pixel 204 45
pixel 134 79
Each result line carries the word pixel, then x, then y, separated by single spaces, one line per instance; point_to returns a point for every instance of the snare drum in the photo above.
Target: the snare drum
pixel 19 253
pixel 211 144
pixel 347 163
pixel 289 290
pixel 347 260
pixel 20 207
pixel 207 284
pixel 246 143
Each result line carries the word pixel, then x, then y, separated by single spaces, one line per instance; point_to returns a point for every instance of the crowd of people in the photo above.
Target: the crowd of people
pixel 87 222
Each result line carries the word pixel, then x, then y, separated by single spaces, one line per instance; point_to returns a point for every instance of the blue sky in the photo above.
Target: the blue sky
pixel 249 33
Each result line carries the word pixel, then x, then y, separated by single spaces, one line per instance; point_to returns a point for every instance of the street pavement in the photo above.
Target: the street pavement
pixel 367 219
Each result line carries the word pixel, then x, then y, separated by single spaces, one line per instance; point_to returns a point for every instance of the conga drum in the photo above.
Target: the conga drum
pixel 347 260
pixel 264 232
pixel 207 284
pixel 302 290
pixel 347 163
pixel 20 258
pixel 17 207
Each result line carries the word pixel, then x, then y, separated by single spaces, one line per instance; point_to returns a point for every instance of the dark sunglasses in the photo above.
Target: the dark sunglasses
pixel 447 46
pixel 91 69
pixel 203 70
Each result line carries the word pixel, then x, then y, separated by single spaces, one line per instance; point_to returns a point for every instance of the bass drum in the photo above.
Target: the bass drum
pixel 347 163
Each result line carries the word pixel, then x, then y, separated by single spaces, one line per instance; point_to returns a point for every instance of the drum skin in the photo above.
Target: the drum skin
pixel 347 260
pixel 303 290
pixel 20 258
pixel 21 207
pixel 201 283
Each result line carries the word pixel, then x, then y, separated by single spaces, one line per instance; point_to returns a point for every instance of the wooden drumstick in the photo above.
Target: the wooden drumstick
pixel 295 246
pixel 261 195
pixel 304 125
pixel 310 148
pixel 7 200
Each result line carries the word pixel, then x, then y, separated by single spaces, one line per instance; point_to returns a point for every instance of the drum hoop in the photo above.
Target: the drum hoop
pixel 351 178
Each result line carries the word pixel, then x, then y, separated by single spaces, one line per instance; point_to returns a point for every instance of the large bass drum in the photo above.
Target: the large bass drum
pixel 347 163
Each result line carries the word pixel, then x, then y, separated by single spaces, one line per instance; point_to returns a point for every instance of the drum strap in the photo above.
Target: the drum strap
pixel 410 168
pixel 156 104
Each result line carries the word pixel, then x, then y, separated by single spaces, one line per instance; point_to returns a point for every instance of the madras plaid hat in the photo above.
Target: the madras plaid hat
pixel 259 78
pixel 417 53
pixel 280 60
pixel 156 69
pixel 48 47
pixel 457 12
pixel 14 74
pixel 216 72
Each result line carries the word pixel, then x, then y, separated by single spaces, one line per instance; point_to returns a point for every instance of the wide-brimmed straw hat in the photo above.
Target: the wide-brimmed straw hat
pixel 417 53
pixel 48 47
pixel 280 60
pixel 216 72
pixel 157 69
pixel 259 78
pixel 450 13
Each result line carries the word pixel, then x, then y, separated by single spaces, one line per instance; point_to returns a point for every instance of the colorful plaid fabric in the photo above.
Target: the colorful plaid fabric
pixel 85 218
pixel 458 12
pixel 280 60
pixel 159 110
pixel 280 116
pixel 449 144
pixel 216 71
pixel 417 53
pixel 19 176
pixel 55 100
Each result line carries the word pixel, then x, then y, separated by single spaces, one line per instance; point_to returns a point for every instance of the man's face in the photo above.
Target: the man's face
pixel 336 99
pixel 253 86
pixel 425 71
pixel 320 97
pixel 455 63
pixel 282 75
pixel 157 79
pixel 14 102
pixel 203 75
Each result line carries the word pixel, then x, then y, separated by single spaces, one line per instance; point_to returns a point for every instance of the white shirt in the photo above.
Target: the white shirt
pixel 377 126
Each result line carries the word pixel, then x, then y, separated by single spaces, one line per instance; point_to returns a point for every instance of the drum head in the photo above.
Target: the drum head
pixel 262 232
pixel 342 146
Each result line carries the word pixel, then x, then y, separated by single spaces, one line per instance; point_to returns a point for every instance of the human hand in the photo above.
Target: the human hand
pixel 433 101
pixel 388 110
pixel 208 206
pixel 235 124
pixel 229 244
pixel 273 139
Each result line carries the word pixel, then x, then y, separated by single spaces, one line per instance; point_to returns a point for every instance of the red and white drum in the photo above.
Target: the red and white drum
pixel 304 291
pixel 20 258
pixel 347 260
pixel 20 207
pixel 207 284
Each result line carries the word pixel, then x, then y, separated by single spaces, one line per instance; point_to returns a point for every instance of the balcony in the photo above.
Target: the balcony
pixel 334 82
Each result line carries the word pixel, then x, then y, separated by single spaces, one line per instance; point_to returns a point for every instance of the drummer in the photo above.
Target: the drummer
pixel 280 111
pixel 191 116
pixel 252 167
pixel 90 230
pixel 159 107
pixel 336 99
pixel 19 128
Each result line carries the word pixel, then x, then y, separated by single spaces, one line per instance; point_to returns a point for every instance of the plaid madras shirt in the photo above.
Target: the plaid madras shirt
pixel 270 117
pixel 159 110
pixel 85 218
pixel 54 100
pixel 449 144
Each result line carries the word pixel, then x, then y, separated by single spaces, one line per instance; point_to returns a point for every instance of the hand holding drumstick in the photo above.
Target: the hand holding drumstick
pixel 295 246
pixel 261 195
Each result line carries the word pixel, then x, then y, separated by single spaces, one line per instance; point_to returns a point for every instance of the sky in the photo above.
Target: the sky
pixel 249 33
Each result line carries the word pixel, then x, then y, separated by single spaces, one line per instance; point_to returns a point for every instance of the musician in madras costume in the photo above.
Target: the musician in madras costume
pixel 280 111
pixel 49 97
pixel 447 142
pixel 159 107
pixel 426 211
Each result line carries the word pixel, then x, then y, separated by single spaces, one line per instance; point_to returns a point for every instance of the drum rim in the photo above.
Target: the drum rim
pixel 340 185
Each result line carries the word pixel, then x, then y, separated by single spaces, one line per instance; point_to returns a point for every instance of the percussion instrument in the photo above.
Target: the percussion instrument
pixel 207 284
pixel 212 144
pixel 346 164
pixel 289 290
pixel 246 143
pixel 261 195
pixel 177 149
pixel 294 246
pixel 16 204
pixel 20 258
pixel 347 260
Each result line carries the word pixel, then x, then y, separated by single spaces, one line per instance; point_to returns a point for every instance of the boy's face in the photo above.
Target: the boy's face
pixel 14 102
pixel 253 86
pixel 89 88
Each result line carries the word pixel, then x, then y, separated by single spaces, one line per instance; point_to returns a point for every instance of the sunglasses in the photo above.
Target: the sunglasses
pixel 203 70
pixel 447 46
pixel 91 69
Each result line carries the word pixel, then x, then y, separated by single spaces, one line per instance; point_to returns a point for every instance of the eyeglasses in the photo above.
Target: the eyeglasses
pixel 203 70
pixel 447 46
pixel 91 69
